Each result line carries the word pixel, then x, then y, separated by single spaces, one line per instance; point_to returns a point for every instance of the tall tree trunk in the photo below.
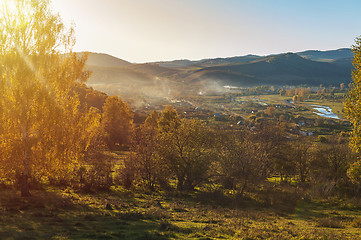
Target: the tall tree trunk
pixel 25 186
pixel 188 184
pixel 243 189
pixel 24 181
pixel 302 176
pixel 180 184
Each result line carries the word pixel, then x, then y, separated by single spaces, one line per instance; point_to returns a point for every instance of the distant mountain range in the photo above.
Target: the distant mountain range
pixel 117 76
pixel 327 56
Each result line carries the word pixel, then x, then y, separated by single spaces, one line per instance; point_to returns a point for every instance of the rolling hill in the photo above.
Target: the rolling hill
pixel 117 76
pixel 327 56
pixel 105 60
pixel 283 69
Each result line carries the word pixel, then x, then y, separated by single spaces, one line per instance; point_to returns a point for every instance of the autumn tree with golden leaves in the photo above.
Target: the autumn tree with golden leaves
pixel 44 132
pixel 353 110
pixel 117 122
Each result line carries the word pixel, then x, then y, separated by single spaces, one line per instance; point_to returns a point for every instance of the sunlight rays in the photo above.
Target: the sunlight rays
pixel 16 34
pixel 7 5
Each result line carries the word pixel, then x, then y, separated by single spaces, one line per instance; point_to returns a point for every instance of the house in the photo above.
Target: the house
pixel 306 133
pixel 217 115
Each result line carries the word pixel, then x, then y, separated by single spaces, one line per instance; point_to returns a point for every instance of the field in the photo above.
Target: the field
pixel 120 214
pixel 269 100
pixel 272 211
pixel 301 115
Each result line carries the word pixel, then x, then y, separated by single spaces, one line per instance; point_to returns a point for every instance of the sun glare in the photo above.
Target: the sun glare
pixel 7 4
pixel 11 4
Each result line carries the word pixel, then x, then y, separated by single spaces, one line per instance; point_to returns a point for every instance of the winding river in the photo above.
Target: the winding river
pixel 324 111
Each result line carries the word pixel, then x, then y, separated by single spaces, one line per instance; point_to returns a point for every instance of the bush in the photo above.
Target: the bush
pixel 356 223
pixel 322 139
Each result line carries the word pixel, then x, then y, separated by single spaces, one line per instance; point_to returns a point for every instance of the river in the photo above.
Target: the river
pixel 324 111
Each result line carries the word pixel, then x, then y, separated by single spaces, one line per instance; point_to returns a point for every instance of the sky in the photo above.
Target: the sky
pixel 161 30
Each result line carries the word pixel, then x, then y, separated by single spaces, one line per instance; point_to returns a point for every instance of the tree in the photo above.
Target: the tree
pixel 353 102
pixel 152 120
pixel 299 155
pixel 186 150
pixel 331 162
pixel 270 111
pixel 90 97
pixel 117 122
pixel 95 98
pixel 169 119
pixel 353 110
pixel 238 160
pixel 246 157
pixel 143 161
pixel 282 92
pixel 342 86
pixel 95 171
pixel 44 131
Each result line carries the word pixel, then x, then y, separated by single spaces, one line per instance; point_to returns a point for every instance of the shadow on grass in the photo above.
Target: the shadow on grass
pixel 53 215
pixel 310 210
pixel 275 199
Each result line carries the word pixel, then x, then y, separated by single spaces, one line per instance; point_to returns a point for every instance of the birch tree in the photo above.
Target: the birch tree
pixel 44 132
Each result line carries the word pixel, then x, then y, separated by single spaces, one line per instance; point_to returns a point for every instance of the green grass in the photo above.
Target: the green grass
pixel 269 99
pixel 66 215
pixel 336 105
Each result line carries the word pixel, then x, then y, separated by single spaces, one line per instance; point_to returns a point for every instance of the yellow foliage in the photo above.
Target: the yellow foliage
pixel 44 131
pixel 117 122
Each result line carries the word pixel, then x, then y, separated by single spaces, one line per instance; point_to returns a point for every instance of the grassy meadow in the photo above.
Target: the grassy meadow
pixel 275 210
pixel 121 214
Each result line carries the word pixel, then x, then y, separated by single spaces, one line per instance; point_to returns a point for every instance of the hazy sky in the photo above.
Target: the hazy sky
pixel 152 30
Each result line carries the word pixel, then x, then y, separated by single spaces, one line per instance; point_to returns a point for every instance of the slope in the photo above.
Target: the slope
pixel 283 69
pixel 327 56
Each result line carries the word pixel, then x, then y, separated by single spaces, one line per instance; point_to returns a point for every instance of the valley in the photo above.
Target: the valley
pixel 223 145
pixel 159 80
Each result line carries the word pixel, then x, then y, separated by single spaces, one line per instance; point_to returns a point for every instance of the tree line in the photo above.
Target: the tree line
pixel 169 152
pixel 55 131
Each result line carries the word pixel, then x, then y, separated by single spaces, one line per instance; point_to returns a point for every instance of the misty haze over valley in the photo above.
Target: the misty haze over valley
pixel 171 79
